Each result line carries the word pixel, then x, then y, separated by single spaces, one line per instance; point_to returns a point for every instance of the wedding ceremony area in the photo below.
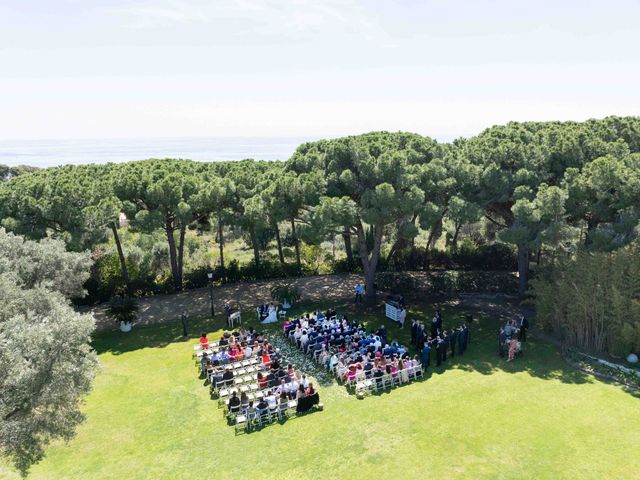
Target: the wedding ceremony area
pixel 319 240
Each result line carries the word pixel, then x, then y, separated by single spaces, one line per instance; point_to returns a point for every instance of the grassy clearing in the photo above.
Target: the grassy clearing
pixel 149 416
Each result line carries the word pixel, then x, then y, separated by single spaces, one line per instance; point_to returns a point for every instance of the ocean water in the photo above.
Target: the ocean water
pixel 47 153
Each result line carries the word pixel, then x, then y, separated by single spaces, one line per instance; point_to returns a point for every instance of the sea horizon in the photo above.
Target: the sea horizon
pixel 44 153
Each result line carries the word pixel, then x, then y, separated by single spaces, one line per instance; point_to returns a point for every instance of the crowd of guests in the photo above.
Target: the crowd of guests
pixel 441 342
pixel 511 337
pixel 235 346
pixel 277 378
pixel 348 350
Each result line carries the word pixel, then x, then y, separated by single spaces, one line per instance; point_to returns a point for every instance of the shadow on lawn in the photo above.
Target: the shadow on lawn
pixel 153 336
pixel 541 359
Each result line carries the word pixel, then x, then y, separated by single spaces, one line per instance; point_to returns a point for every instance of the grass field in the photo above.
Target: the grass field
pixel 149 416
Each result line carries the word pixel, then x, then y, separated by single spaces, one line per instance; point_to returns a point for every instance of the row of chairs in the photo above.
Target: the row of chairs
pixel 246 421
pixel 385 382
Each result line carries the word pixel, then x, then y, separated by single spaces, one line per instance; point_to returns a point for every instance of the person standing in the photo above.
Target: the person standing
pixel 425 355
pixel 414 332
pixel 461 342
pixel 359 291
pixel 453 338
pixel 502 341
pixel 434 327
pixel 523 324
pixel 445 346
pixel 512 348
pixel 439 345
pixel 402 317
pixel 184 318
pixel 467 335
pixel 420 336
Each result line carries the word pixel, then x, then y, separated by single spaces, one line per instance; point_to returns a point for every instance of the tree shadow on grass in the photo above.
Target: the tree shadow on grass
pixel 150 336
pixel 541 359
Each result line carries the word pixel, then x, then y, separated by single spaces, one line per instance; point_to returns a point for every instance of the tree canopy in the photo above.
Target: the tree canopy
pixel 46 363
pixel 539 186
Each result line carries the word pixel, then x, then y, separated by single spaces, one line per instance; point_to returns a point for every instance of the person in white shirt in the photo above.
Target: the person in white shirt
pixel 304 382
pixel 248 352
pixel 402 317
pixel 292 388
pixel 271 400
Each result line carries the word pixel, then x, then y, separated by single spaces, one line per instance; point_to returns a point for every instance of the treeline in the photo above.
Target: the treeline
pixel 547 189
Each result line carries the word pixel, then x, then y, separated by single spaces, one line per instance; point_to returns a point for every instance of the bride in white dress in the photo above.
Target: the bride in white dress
pixel 272 316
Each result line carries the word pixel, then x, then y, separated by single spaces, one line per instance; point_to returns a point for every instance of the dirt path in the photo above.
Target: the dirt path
pixel 321 288
pixel 158 308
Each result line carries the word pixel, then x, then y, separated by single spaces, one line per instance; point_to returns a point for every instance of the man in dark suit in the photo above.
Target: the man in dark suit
pixel 467 336
pixel 439 319
pixel 434 327
pixel 523 325
pixel 439 345
pixel 420 335
pixel 184 318
pixel 425 355
pixel 461 344
pixel 453 338
pixel 414 332
pixel 445 345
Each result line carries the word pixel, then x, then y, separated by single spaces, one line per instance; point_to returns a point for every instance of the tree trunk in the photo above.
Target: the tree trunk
pixel 436 228
pixel 183 230
pixel 254 243
pixel 370 261
pixel 173 258
pixel 296 243
pixel 400 242
pixel 592 224
pixel 123 263
pixel 454 240
pixel 346 237
pixel 221 244
pixel 279 241
pixel 523 269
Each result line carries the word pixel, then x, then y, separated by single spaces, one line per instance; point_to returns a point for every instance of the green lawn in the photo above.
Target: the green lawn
pixel 149 416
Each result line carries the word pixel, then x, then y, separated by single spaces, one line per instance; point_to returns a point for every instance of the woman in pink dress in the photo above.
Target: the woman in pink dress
pixel 512 346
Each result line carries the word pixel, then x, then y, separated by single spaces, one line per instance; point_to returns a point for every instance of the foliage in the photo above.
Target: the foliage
pixel 592 301
pixel 123 310
pixel 285 293
pixel 543 187
pixel 46 363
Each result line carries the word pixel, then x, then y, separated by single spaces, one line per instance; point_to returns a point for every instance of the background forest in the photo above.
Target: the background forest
pixel 561 196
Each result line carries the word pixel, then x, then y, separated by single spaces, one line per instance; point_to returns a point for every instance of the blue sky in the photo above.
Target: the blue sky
pixel 168 68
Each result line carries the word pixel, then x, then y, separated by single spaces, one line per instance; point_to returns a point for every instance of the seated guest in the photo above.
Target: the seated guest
pixel 263 382
pixel 251 412
pixel 271 399
pixel 301 392
pixel 284 400
pixel 227 377
pixel 204 341
pixel 262 406
pixel 234 403
pixel 310 389
pixel 266 359
pixel 248 352
pixel 377 375
pixel 244 402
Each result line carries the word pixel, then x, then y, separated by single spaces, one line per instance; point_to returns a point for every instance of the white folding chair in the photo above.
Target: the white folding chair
pixel 241 422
